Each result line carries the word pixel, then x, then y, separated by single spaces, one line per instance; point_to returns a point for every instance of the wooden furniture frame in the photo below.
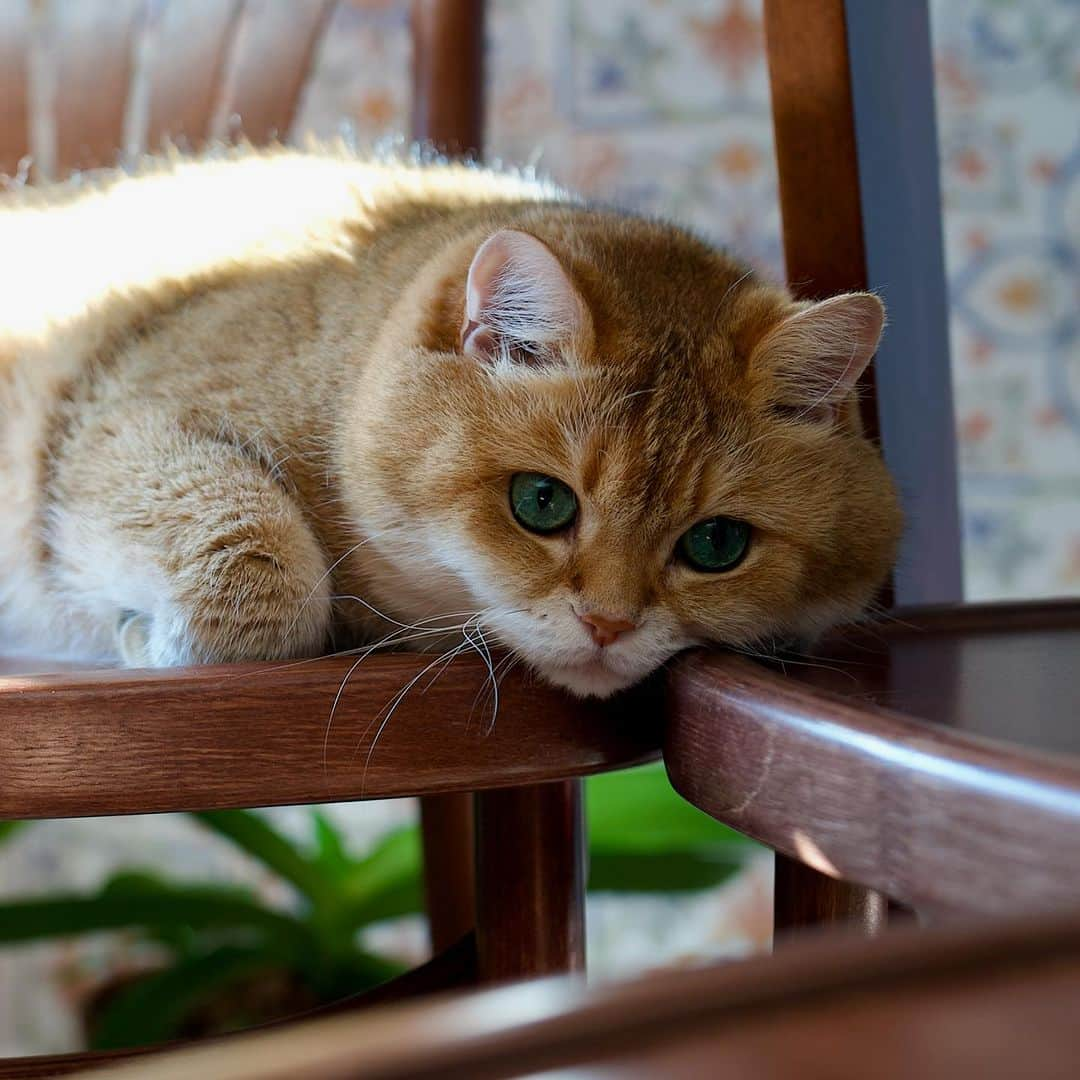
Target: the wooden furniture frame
pixel 995 1002
pixel 831 761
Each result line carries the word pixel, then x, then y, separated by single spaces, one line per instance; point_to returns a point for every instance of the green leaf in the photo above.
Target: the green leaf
pixel 198 907
pixel 387 883
pixel 253 834
pixel 183 940
pixel 154 1008
pixel 135 883
pixel 637 810
pixel 9 828
pixel 647 872
pixel 331 856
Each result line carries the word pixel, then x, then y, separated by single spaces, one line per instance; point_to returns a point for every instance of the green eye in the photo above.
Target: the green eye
pixel 716 544
pixel 541 503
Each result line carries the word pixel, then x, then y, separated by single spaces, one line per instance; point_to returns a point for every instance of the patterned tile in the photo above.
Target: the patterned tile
pixel 1008 81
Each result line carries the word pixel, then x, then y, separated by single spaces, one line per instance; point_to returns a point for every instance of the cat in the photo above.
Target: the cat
pixel 266 404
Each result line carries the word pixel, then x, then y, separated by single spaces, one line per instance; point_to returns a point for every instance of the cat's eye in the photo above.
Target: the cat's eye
pixel 715 545
pixel 541 503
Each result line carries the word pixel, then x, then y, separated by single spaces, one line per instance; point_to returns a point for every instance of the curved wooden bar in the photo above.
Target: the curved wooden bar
pixel 941 820
pixel 121 742
pixel 452 969
pixel 989 1001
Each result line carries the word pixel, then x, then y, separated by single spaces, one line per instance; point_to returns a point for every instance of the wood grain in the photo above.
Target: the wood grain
pixel 111 742
pixel 816 158
pixel 192 45
pixel 268 63
pixel 92 50
pixel 997 617
pixel 824 253
pixel 1004 670
pixel 447 825
pixel 14 85
pixel 804 897
pixel 993 1001
pixel 530 881
pixel 448 74
pixel 943 821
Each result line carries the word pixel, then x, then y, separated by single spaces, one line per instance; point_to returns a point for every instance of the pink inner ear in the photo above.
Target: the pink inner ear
pixel 519 302
pixel 817 354
pixel 476 338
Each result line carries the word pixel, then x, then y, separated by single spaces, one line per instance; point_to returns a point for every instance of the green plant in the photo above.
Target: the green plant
pixel 220 940
pixel 644 838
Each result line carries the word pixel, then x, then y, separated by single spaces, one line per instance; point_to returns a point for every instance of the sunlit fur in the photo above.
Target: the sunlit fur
pixel 234 401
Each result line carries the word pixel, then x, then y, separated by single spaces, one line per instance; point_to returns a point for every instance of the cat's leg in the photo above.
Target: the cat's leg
pixel 192 549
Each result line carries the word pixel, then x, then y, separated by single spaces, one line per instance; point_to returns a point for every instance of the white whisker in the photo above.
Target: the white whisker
pixel 395 637
pixel 315 588
pixel 397 700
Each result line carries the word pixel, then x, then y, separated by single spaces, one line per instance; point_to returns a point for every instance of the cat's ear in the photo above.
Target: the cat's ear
pixel 817 354
pixel 519 301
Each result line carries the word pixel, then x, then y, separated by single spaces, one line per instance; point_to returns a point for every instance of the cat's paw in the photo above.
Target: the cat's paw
pixel 132 633
pixel 146 641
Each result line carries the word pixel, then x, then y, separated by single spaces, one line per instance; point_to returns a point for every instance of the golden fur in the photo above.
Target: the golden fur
pixel 248 409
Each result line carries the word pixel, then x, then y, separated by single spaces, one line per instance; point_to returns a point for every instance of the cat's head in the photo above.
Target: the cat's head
pixel 619 443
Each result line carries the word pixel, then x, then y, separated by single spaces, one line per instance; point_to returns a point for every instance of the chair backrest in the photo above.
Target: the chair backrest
pixel 856 147
pixel 90 83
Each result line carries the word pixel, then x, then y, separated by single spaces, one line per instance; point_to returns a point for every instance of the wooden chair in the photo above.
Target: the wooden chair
pixel 862 771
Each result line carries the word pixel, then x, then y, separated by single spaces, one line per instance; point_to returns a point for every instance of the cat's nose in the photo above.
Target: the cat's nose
pixel 604 629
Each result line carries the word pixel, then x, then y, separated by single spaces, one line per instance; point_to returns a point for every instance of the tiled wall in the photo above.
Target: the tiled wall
pixel 663 104
pixel 1009 117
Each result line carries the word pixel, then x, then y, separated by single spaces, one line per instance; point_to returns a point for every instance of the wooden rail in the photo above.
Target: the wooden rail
pixel 941 820
pixel 119 742
pixel 995 1002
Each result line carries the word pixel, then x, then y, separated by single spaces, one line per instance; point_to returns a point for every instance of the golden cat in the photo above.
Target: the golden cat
pixel 266 405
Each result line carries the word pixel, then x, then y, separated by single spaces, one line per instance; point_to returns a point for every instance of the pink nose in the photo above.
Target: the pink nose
pixel 605 630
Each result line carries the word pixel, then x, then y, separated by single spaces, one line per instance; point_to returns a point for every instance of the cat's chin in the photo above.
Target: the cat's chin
pixel 592 680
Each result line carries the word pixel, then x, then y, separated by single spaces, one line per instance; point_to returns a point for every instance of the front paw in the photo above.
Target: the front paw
pixel 132 633
pixel 146 641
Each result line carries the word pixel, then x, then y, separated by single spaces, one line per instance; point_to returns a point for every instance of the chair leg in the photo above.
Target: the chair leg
pixel 530 881
pixel 446 822
pixel 805 897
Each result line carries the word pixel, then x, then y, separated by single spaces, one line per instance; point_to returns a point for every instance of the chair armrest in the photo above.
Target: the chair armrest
pixel 940 820
pixel 122 742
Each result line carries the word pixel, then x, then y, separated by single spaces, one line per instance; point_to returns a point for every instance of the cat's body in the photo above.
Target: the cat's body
pixel 246 405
